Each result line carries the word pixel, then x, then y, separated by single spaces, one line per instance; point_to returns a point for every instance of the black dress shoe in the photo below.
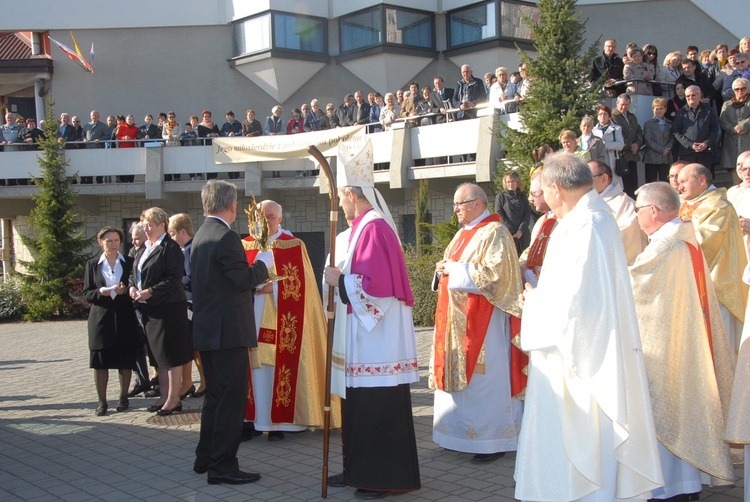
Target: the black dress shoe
pixel 275 435
pixel 152 393
pixel 188 393
pixel 199 394
pixel 370 494
pixel 199 469
pixel 123 405
pixel 233 478
pixel 163 412
pixel 337 480
pixel 154 408
pixel 101 410
pixel 484 458
pixel 249 432
pixel 138 389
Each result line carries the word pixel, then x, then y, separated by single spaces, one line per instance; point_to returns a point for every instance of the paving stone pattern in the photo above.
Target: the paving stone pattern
pixel 53 447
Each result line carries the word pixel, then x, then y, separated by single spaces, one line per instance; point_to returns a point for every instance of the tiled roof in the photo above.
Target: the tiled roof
pixel 14 46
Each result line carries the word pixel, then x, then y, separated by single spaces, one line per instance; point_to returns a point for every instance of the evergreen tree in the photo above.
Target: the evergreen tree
pixel 422 216
pixel 559 93
pixel 58 244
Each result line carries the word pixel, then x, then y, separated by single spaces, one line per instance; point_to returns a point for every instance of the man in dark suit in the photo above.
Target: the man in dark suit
pixel 443 94
pixel 67 132
pixel 345 112
pixel 361 109
pixel 223 329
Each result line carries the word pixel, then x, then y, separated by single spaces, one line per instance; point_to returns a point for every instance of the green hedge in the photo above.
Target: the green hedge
pixel 421 271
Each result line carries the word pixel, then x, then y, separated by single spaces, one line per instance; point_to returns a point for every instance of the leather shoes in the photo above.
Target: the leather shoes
pixel 484 458
pixel 370 494
pixel 233 478
pixel 337 480
pixel 249 432
pixel 101 410
pixel 123 405
pixel 199 469
pixel 275 435
pixel 138 389
pixel 152 393
pixel 163 412
pixel 199 393
pixel 187 393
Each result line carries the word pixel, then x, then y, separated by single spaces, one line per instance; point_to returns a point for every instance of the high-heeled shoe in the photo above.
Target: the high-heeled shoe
pixel 154 408
pixel 189 392
pixel 199 393
pixel 123 405
pixel 164 412
pixel 101 410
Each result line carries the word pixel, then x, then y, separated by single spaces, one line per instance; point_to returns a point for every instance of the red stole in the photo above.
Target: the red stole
pixel 539 247
pixel 290 324
pixel 478 311
pixel 699 271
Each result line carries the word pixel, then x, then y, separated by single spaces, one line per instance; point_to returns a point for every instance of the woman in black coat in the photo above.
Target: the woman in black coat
pixel 112 325
pixel 514 209
pixel 156 286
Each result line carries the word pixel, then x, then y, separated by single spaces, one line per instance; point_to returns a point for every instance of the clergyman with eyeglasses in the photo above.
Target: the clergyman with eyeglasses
pixel 479 284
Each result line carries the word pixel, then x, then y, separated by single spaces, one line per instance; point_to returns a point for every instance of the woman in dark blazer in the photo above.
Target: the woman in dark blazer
pixel 112 325
pixel 156 286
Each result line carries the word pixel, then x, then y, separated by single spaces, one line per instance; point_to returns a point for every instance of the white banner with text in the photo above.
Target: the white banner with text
pixel 285 146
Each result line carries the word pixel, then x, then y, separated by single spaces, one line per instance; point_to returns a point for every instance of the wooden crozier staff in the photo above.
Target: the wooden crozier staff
pixel 334 216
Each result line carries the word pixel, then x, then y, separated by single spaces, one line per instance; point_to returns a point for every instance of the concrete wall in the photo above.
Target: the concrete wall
pixel 671 25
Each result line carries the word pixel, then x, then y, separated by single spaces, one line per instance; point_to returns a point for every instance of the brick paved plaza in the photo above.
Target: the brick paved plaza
pixel 53 447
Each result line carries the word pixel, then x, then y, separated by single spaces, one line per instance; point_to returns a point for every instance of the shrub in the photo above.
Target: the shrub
pixel 421 270
pixel 10 299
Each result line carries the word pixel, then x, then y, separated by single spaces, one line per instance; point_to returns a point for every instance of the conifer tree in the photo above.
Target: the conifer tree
pixel 58 244
pixel 559 92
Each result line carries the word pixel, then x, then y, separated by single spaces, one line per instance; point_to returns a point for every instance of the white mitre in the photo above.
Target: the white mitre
pixel 355 168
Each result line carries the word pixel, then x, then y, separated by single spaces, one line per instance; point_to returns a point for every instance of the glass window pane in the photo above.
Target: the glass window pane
pixel 408 28
pixel 473 25
pixel 252 35
pixel 512 23
pixel 298 33
pixel 360 30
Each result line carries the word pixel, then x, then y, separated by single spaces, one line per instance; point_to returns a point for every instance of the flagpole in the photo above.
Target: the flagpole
pixel 334 214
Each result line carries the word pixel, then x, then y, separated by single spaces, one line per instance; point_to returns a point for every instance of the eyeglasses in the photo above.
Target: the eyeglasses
pixel 739 89
pixel 597 175
pixel 651 54
pixel 456 204
pixel 536 195
pixel 743 170
pixel 638 208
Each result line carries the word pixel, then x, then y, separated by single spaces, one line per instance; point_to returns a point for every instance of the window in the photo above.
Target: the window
pixel 252 35
pixel 278 30
pixel 474 24
pixel 298 33
pixel 360 30
pixel 513 24
pixel 385 25
pixel 480 23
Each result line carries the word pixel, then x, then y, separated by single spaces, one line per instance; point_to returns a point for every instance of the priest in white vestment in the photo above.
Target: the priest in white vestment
pixel 688 360
pixel 623 206
pixel 479 285
pixel 587 431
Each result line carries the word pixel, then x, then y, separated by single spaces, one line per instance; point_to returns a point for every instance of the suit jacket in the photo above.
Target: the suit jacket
pixel 223 284
pixel 162 273
pixel 631 133
pixel 345 115
pixel 657 140
pixel 447 94
pixel 110 321
pixel 361 113
pixel 69 134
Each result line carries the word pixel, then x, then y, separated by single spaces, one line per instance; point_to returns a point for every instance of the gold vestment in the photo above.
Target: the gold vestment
pixel 717 228
pixel 689 389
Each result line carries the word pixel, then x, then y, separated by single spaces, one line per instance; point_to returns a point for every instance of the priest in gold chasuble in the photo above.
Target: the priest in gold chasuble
pixel 717 228
pixel 478 284
pixel 286 385
pixel 688 359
